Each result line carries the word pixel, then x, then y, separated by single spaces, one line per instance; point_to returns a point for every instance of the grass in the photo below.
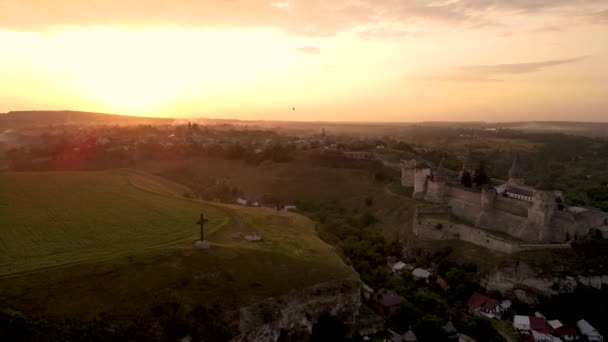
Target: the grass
pixel 401 190
pixel 115 244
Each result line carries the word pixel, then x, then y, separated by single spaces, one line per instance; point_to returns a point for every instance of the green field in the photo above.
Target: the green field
pixel 119 240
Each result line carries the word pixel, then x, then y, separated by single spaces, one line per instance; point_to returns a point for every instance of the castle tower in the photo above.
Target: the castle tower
pixel 516 172
pixel 421 176
pixel 542 210
pixel 436 186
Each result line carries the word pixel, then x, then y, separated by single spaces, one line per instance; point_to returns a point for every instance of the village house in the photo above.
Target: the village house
pixel 450 331
pixel 421 273
pixel 589 331
pixel 564 332
pixel 386 302
pixel 480 304
pixel 535 328
pixel 409 336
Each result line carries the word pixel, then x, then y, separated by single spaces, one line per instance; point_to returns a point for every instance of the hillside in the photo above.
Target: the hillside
pixel 100 236
pixel 15 119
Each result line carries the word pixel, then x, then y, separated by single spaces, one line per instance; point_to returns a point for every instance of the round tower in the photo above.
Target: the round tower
pixel 543 207
pixel 516 172
pixel 437 185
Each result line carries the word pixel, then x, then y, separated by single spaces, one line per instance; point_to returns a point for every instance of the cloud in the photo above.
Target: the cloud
pixel 386 33
pixel 494 72
pixel 308 49
pixel 600 17
pixel 303 17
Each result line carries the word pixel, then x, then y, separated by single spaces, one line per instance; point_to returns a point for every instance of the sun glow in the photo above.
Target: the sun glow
pixel 154 71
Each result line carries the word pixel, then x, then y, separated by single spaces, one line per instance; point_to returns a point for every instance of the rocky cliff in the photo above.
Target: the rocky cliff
pixel 295 313
pixel 526 282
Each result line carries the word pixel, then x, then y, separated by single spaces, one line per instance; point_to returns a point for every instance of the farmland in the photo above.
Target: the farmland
pixel 64 234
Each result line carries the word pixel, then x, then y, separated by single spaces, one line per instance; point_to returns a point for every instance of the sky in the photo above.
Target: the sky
pixel 309 60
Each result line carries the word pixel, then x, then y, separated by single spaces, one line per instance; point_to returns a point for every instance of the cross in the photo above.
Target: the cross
pixel 202 221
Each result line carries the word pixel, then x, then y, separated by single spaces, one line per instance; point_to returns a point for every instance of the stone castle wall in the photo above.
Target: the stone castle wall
pixel 504 222
pixel 437 229
pixel 428 225
pixel 512 206
pixel 534 222
pixel 464 203
pixel 435 192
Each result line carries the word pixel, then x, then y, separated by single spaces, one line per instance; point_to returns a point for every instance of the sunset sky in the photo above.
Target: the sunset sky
pixel 341 60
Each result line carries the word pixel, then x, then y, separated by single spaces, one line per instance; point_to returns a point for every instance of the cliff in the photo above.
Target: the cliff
pixel 527 282
pixel 295 313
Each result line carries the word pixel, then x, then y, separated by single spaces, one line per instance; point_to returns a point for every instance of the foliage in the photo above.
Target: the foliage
pixel 481 176
pixel 465 179
pixel 169 322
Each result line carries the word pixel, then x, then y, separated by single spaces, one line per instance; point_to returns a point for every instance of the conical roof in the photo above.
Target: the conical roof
pixel 450 328
pixel 410 337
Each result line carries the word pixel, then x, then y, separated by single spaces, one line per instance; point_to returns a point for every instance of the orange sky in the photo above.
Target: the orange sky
pixel 343 60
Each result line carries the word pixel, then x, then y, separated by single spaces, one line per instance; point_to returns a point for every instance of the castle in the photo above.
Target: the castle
pixel 531 214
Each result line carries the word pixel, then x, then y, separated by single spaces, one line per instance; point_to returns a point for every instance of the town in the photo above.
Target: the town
pixel 416 282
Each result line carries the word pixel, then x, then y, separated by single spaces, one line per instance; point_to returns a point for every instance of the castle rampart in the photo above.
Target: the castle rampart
pixel 531 214
pixel 434 223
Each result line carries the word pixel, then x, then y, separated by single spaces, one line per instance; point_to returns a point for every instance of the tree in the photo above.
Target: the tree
pixel 481 177
pixel 465 179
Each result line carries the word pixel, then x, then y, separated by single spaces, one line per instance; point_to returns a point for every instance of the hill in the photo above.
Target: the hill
pixel 121 242
pixel 15 119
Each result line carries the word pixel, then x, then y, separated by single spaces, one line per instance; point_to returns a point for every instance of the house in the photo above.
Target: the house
pixel 505 305
pixel 535 328
pixel 398 267
pixel 521 323
pixel 386 302
pixel 483 305
pixel 450 331
pixel 542 337
pixel 566 333
pixel 409 336
pixel 589 331
pixel 421 273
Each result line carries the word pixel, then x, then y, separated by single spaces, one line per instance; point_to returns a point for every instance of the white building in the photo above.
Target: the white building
pixel 421 273
pixel 398 266
pixel 521 323
pixel 589 331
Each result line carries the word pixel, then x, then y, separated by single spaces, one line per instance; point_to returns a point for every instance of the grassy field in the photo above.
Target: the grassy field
pixel 119 240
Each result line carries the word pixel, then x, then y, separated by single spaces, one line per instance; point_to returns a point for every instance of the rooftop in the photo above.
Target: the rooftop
pixel 479 300
pixel 387 297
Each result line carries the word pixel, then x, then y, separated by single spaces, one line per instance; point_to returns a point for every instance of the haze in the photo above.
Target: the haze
pixel 343 60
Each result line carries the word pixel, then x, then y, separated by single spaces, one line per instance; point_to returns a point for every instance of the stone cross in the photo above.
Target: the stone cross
pixel 202 221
